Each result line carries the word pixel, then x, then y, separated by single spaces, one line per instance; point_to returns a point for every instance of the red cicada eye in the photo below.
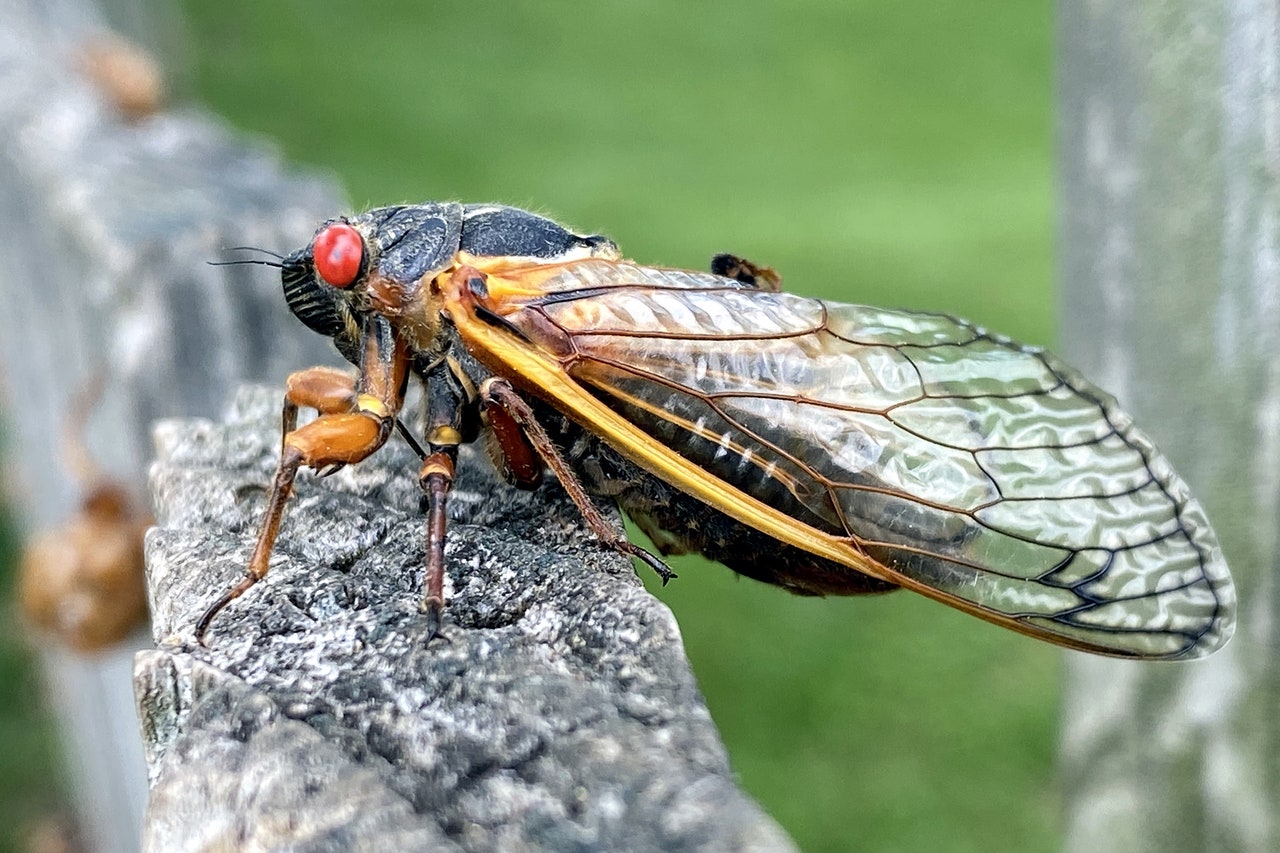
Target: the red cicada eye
pixel 338 250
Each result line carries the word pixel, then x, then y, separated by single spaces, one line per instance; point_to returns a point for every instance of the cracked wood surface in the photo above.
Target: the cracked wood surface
pixel 558 712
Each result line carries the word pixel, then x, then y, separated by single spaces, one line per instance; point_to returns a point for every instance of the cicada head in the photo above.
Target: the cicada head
pixel 374 262
pixel 383 260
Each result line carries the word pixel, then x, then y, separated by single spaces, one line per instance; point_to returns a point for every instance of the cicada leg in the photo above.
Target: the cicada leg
pixel 450 399
pixel 436 479
pixel 498 394
pixel 521 466
pixel 328 390
pixel 356 418
pixel 334 438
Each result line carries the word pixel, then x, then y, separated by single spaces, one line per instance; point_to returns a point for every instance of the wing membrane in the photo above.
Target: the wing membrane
pixel 971 468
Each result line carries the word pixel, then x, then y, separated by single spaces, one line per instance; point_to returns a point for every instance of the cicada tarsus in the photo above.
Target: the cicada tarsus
pixel 829 449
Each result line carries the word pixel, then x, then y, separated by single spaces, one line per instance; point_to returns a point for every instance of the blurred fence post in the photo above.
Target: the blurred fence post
pixel 1170 150
pixel 108 225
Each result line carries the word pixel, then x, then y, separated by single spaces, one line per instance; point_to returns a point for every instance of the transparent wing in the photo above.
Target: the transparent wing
pixel 979 471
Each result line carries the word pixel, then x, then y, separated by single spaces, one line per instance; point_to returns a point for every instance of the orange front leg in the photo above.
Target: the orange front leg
pixel 328 390
pixel 332 439
pixel 356 418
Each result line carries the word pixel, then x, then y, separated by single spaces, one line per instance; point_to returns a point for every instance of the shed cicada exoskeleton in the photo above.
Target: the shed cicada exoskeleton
pixel 829 449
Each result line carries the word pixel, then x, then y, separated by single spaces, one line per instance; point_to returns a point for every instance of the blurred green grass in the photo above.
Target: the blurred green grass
pixel 891 153
pixel 30 782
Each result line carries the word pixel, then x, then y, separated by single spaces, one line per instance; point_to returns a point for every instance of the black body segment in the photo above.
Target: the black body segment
pixel 413 240
pixel 494 230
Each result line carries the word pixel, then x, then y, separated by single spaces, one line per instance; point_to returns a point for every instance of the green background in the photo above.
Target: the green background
pixel 894 153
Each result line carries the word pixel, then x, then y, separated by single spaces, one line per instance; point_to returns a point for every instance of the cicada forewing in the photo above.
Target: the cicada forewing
pixel 915 448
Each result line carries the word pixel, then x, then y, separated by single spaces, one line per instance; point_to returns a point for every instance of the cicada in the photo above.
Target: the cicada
pixel 829 449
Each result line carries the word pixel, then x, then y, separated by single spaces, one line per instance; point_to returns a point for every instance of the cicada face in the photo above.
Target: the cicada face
pixel 827 448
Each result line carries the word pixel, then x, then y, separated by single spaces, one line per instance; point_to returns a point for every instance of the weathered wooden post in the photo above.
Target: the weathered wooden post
pixel 1170 154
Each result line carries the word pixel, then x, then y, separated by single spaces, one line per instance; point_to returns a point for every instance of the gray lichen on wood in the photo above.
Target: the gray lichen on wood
pixel 557 712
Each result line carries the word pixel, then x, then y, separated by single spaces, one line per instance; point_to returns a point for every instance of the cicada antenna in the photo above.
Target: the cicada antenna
pixel 252 261
pixel 275 255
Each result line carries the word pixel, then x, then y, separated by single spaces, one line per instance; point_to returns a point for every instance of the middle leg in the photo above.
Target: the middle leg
pixel 498 393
